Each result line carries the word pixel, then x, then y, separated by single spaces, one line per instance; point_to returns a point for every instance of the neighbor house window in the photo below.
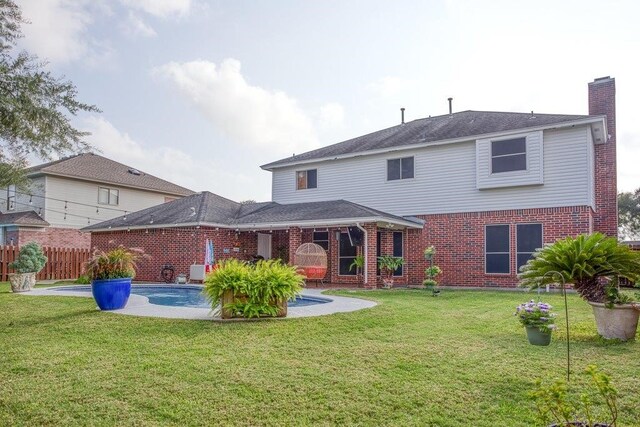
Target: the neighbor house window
pixel 11 198
pixel 399 168
pixel 529 238
pixel 347 253
pixel 307 179
pixel 108 196
pixel 509 155
pixel 321 238
pixel 496 247
pixel 397 250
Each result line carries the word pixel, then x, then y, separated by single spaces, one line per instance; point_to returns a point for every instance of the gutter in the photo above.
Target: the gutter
pixel 366 253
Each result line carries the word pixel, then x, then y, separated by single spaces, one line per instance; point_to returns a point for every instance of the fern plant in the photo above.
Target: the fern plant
pixel 589 262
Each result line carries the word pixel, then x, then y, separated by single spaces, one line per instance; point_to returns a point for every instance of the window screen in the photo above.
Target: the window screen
pixel 509 155
pixel 307 179
pixel 497 258
pixel 346 255
pixel 321 238
pixel 400 168
pixel 397 250
pixel 529 238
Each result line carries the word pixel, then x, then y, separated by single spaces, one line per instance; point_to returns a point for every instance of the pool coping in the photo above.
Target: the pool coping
pixel 139 305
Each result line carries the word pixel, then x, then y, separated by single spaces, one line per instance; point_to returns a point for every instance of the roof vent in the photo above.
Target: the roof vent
pixel 450 106
pixel 402 116
pixel 135 172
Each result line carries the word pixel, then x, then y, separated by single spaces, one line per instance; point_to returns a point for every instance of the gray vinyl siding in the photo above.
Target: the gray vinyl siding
pixel 591 170
pixel 36 187
pixel 445 179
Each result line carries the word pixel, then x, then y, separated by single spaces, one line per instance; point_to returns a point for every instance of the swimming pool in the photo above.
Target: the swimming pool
pixel 187 296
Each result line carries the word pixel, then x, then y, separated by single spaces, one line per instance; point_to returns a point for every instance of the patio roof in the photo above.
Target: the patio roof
pixel 22 219
pixel 210 210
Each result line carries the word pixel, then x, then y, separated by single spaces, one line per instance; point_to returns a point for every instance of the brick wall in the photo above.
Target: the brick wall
pixel 602 100
pixel 50 236
pixel 459 242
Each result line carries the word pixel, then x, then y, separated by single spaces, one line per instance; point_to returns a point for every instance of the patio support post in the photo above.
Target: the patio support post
pixel 371 263
pixel 295 240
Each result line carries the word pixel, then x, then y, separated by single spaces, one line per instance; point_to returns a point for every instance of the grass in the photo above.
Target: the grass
pixel 457 360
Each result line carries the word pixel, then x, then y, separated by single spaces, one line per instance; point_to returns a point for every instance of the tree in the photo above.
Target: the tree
pixel 629 214
pixel 33 105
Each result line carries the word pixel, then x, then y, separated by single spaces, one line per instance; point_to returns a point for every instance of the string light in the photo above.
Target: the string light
pixel 65 205
pixel 151 222
pixel 66 202
pixel 30 199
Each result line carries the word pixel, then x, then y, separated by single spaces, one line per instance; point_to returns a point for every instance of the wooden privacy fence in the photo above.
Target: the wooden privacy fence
pixel 62 263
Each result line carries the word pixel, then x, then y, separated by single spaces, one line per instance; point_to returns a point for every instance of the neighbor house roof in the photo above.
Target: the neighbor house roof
pixel 93 167
pixel 208 209
pixel 25 219
pixel 456 126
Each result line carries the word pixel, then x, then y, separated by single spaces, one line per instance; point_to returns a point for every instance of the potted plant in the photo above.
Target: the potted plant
pixel 237 289
pixel 431 272
pixel 30 261
pixel 577 406
pixel 388 264
pixel 538 321
pixel 592 263
pixel 358 264
pixel 111 274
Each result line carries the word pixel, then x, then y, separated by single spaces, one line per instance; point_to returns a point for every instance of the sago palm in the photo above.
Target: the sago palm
pixel 586 261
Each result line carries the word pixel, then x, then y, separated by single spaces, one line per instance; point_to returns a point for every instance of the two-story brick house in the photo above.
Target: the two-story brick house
pixel 485 188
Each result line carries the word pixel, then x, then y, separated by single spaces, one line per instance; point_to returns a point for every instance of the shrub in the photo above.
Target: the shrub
pixel 83 280
pixel 258 287
pixel 30 259
pixel 118 263
pixel 586 261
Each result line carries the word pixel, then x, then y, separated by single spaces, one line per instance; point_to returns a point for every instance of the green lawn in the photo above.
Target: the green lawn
pixel 457 360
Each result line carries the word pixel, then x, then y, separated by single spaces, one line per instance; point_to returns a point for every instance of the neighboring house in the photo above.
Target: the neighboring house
pixel 68 194
pixel 485 188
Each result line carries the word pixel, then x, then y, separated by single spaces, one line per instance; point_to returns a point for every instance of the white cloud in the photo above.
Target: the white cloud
pixel 247 115
pixel 197 173
pixel 57 31
pixel 389 86
pixel 135 26
pixel 161 8
pixel 331 115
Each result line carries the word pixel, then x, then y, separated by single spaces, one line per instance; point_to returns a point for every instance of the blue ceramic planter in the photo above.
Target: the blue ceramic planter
pixel 111 294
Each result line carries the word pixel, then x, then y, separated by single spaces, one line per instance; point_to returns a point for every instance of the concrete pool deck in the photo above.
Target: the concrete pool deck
pixel 139 305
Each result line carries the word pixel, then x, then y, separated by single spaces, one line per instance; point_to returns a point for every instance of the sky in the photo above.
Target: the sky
pixel 202 93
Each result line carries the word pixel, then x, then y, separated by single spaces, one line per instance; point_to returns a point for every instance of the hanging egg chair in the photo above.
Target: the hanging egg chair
pixel 312 260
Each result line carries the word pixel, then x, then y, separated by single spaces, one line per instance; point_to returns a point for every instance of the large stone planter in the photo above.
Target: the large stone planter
pixel 22 282
pixel 228 297
pixel 619 322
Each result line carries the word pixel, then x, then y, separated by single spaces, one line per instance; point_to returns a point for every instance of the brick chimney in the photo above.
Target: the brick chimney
pixel 602 101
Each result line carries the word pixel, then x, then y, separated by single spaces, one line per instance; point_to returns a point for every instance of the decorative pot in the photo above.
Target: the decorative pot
pixel 537 337
pixel 22 282
pixel 111 294
pixel 228 297
pixel 620 321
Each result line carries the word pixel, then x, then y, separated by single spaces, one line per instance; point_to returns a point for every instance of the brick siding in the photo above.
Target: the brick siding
pixel 50 236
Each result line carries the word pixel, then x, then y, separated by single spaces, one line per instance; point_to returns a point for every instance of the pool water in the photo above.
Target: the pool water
pixel 187 296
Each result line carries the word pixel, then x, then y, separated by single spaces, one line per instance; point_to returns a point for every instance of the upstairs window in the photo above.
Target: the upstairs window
pixel 399 168
pixel 307 179
pixel 108 196
pixel 509 155
pixel 496 248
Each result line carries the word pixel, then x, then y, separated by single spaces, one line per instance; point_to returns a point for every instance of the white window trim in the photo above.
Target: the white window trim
pixel 516 231
pixel 386 175
pixel 507 138
pixel 340 257
pixel 307 179
pixel 485 250
pixel 109 189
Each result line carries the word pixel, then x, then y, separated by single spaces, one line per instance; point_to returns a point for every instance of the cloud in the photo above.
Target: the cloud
pixel 161 8
pixel 331 115
pixel 247 115
pixel 57 31
pixel 135 26
pixel 195 172
pixel 389 86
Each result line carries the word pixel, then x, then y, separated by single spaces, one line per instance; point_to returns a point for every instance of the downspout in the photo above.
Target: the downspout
pixel 366 252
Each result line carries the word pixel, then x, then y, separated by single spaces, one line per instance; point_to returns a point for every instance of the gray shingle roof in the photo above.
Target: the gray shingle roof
pixel 458 125
pixel 210 209
pixel 98 168
pixel 25 218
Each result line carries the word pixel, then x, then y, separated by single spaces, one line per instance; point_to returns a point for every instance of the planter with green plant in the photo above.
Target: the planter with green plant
pixel 111 274
pixel 30 261
pixel 388 265
pixel 579 405
pixel 236 289
pixel 358 265
pixel 592 264
pixel 538 320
